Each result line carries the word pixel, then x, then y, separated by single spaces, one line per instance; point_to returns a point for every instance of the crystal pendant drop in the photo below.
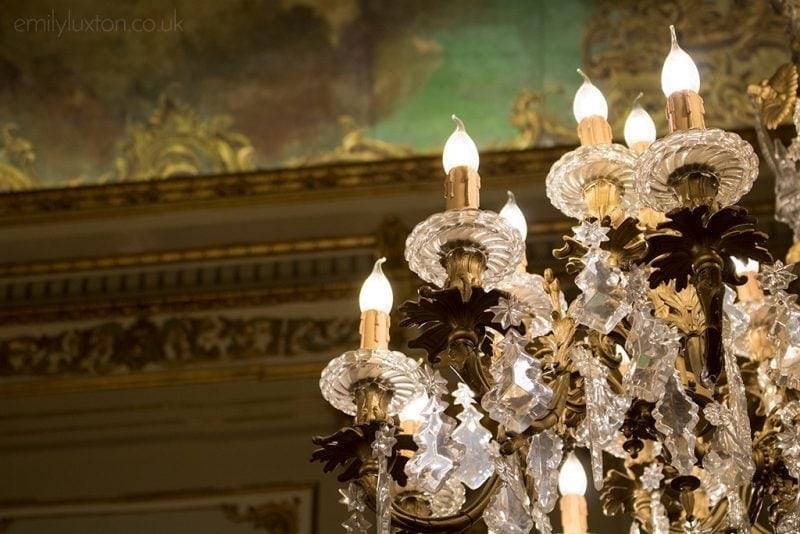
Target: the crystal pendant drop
pixel 475 467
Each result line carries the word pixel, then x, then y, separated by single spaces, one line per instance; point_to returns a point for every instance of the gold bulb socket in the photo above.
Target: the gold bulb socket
pixel 462 188
pixel 594 130
pixel 685 110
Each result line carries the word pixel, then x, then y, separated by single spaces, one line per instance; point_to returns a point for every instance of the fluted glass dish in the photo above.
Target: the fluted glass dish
pixel 500 243
pixel 724 154
pixel 393 369
pixel 579 168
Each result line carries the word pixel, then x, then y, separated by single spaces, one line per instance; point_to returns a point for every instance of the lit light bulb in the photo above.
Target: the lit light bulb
pixel 460 149
pixel 751 266
pixel 679 72
pixel 588 100
pixel 376 293
pixel 514 216
pixel 413 410
pixel 639 126
pixel 572 477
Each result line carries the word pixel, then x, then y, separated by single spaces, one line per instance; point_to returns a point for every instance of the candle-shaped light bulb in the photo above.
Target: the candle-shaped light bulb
pixel 572 477
pixel 639 126
pixel 514 216
pixel 679 72
pixel 376 293
pixel 460 149
pixel 588 100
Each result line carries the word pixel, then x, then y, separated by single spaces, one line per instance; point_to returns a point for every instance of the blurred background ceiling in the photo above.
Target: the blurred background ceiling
pixel 190 208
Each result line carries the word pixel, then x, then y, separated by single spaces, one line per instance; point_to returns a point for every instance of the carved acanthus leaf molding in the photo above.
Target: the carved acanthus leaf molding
pixel 144 345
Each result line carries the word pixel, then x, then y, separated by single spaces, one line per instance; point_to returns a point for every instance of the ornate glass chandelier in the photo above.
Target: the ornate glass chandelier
pixel 676 365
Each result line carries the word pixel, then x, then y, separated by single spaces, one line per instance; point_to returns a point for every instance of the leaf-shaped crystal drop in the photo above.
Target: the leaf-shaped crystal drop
pixel 476 465
pixel 730 453
pixel 437 455
pixel 508 511
pixel 653 346
pixel 603 302
pixel 519 395
pixel 506 514
pixel 544 458
pixel 605 411
pixel 676 416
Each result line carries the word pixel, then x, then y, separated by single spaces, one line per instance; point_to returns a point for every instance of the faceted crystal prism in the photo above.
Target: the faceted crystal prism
pixel 476 465
pixel 519 395
pixel 603 302
pixel 653 346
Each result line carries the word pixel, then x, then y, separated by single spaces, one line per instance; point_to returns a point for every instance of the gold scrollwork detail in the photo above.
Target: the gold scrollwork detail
pixel 176 142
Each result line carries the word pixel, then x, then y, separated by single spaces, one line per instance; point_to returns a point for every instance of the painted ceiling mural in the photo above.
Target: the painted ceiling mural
pixel 98 92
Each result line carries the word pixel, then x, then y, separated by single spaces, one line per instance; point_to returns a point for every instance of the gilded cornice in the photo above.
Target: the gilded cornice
pixel 285 185
pixel 331 181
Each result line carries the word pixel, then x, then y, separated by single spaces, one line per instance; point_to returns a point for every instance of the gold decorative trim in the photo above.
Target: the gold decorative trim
pixel 143 305
pixel 186 255
pixel 285 185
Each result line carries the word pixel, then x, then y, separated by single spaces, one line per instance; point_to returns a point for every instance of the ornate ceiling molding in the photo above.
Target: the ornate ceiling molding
pixel 285 185
pixel 172 350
